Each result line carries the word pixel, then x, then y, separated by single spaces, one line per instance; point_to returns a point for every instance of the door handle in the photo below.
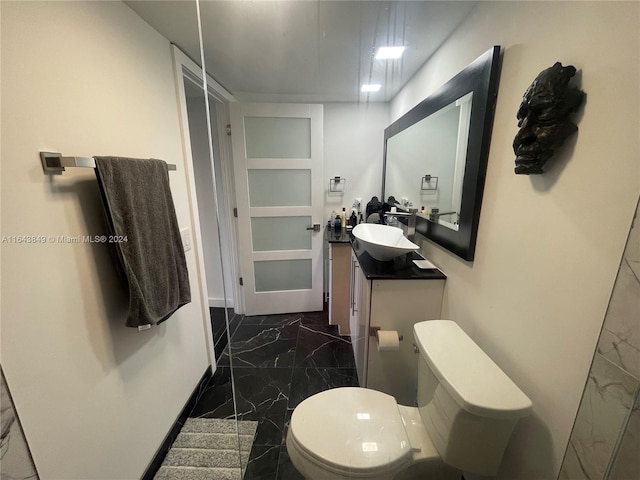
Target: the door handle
pixel 315 228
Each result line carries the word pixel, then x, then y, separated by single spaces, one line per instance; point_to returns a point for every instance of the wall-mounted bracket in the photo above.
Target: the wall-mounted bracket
pixel 429 183
pixel 337 185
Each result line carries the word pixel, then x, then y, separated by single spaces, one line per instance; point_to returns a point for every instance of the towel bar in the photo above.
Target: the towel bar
pixel 55 163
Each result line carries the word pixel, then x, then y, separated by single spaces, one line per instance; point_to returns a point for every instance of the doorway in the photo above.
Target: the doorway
pixel 277 157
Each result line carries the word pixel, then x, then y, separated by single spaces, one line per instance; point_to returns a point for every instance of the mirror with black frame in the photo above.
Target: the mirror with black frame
pixel 435 155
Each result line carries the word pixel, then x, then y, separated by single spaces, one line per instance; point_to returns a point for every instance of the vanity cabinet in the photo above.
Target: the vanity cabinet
pixel 396 302
pixel 339 280
pixel 359 303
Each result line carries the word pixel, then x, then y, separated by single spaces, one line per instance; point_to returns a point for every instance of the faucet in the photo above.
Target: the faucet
pixel 411 221
pixel 435 214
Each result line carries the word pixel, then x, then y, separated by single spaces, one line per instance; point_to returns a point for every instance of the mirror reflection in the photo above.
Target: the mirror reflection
pixel 425 163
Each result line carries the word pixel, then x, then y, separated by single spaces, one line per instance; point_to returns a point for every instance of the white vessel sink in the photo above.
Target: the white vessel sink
pixel 383 242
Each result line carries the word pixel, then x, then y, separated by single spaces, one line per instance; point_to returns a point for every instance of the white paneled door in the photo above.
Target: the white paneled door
pixel 277 157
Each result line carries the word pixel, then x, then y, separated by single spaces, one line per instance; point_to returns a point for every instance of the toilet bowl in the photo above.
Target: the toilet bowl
pixel 467 409
pixel 366 435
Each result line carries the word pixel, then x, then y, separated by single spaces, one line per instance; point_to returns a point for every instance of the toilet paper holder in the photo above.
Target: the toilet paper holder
pixel 373 331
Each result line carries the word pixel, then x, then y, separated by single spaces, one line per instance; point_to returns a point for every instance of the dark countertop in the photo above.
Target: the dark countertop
pixel 337 236
pixel 400 268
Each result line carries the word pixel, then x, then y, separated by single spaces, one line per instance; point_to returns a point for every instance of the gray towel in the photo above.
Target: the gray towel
pixel 142 218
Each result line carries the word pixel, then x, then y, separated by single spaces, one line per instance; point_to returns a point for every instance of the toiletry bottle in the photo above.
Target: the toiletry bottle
pixel 343 218
pixel 353 220
pixel 337 223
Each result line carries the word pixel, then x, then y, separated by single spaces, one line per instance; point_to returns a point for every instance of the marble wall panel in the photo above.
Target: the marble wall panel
pixel 605 440
pixel 15 459
pixel 602 416
pixel 626 464
pixel 620 338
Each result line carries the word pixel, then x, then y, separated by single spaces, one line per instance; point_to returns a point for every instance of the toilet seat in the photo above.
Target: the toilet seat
pixel 352 432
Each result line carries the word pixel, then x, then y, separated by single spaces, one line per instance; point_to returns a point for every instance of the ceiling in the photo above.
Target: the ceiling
pixel 306 51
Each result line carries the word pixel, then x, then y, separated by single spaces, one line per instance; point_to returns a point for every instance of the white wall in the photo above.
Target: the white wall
pixel 353 144
pixel 95 398
pixel 548 246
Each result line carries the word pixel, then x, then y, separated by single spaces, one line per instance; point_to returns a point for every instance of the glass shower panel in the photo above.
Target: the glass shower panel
pixel 279 188
pixel 269 137
pixel 280 233
pixel 216 421
pixel 212 420
pixel 278 275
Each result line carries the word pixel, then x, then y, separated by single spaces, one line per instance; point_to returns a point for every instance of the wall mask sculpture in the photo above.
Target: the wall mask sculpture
pixel 544 118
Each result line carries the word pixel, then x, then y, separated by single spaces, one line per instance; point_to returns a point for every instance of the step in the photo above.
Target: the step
pixel 213 441
pixel 197 473
pixel 197 457
pixel 219 425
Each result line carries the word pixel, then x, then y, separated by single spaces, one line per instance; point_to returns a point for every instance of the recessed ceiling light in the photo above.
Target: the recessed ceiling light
pixel 371 87
pixel 389 53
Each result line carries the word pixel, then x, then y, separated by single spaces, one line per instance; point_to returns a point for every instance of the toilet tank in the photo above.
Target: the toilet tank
pixel 467 403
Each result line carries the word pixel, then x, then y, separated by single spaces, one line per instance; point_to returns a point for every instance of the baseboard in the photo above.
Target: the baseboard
pixel 158 458
pixel 219 303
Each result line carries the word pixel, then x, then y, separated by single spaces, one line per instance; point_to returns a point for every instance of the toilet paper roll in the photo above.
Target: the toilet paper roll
pixel 388 340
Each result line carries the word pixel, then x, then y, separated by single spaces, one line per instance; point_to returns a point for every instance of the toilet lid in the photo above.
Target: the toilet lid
pixel 351 429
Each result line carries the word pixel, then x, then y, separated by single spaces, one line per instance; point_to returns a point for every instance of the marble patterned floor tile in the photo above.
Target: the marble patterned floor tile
pixel 262 392
pixel 277 320
pixel 321 346
pixel 287 422
pixel 220 329
pixel 602 414
pixel 263 463
pixel 315 318
pixel 234 322
pixel 270 430
pixel 253 319
pixel 216 399
pixel 220 346
pixel 286 470
pixel 223 359
pixel 265 377
pixel 321 327
pixel 264 346
pixel 218 321
pixel 311 380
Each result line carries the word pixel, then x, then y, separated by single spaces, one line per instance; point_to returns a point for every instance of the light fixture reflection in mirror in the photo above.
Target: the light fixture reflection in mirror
pixel 447 136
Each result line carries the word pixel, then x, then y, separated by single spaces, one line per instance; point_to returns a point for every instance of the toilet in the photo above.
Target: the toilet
pixel 467 409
